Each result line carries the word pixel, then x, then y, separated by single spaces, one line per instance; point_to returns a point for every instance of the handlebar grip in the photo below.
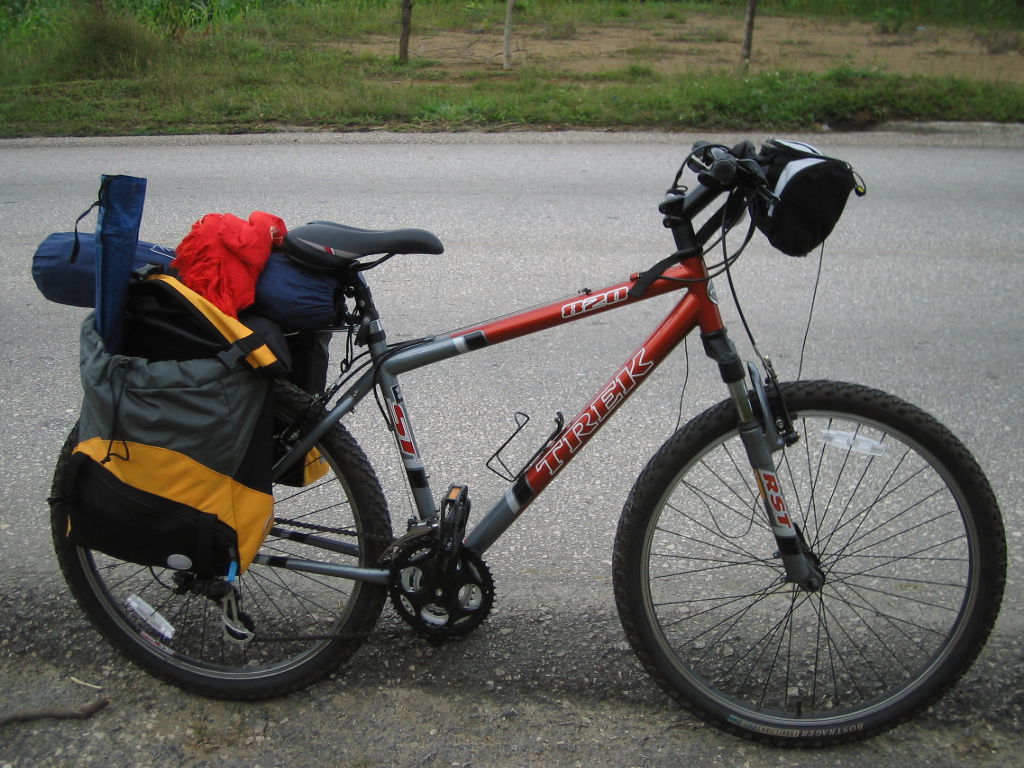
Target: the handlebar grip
pixel 718 167
pixel 723 167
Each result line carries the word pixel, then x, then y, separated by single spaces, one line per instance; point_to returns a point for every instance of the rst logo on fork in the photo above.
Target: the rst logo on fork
pixel 772 493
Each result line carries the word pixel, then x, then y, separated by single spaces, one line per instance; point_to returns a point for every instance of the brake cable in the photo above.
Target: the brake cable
pixel 810 313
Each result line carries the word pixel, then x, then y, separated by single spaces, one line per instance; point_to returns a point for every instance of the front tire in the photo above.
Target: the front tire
pixel 910 541
pixel 304 625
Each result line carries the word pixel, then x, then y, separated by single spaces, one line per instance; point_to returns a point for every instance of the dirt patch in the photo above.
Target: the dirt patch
pixel 710 42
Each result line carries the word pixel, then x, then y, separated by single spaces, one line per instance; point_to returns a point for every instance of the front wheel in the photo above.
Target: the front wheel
pixel 909 539
pixel 302 625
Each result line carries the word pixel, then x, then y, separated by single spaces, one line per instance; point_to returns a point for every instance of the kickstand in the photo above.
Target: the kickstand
pixel 234 621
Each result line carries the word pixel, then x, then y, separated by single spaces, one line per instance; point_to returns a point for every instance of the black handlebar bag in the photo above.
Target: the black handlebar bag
pixel 811 191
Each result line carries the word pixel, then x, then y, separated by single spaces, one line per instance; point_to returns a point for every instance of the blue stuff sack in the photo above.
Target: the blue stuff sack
pixel 121 201
pixel 295 298
pixel 298 299
pixel 74 282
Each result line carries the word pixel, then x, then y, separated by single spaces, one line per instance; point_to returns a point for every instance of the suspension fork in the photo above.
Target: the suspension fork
pixel 761 440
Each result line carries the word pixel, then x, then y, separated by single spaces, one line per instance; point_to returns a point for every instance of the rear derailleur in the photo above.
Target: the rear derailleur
pixel 438 586
pixel 237 625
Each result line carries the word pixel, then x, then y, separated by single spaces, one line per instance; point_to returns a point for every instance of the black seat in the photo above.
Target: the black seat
pixel 326 246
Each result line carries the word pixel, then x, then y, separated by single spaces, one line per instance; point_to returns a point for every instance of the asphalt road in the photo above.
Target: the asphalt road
pixel 920 295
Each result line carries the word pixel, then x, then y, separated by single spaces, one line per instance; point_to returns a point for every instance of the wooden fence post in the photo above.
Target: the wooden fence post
pixel 403 40
pixel 748 35
pixel 506 55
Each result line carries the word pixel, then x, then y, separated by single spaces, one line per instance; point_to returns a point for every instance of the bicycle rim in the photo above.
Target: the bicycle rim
pixel 896 621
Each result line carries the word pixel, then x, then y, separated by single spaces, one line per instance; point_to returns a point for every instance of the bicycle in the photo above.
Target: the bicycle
pixel 805 563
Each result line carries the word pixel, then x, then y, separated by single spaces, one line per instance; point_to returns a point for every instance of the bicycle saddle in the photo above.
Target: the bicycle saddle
pixel 326 246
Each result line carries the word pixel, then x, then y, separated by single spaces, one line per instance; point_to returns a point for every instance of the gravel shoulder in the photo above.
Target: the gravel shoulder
pixel 534 687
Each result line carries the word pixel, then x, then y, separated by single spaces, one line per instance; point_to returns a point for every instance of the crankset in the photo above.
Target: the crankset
pixel 438 586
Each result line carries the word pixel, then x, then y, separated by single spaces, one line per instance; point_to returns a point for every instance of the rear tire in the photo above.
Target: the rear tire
pixel 305 625
pixel 909 538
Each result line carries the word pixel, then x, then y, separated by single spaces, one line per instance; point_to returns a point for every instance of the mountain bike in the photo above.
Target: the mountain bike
pixel 805 563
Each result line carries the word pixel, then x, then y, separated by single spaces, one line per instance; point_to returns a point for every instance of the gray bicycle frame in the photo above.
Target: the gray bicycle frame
pixel 697 308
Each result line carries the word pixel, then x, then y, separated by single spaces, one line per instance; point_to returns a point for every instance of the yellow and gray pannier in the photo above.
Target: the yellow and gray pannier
pixel 175 439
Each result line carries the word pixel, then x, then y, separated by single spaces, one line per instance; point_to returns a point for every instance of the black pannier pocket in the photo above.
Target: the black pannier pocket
pixel 112 517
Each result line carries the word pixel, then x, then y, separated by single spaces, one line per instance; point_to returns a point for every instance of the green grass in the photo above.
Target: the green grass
pixel 262 65
pixel 337 92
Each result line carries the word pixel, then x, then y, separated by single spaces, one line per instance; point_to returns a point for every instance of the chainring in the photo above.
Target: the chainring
pixel 440 606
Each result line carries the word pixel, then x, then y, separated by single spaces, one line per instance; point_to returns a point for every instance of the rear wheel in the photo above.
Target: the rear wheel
pixel 303 626
pixel 910 542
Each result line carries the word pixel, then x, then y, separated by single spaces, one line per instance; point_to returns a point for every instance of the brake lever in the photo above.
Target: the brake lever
pixel 751 167
pixel 753 170
pixel 697 159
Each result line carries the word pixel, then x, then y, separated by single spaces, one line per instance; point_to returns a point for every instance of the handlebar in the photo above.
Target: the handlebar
pixel 716 165
pixel 743 173
pixel 719 170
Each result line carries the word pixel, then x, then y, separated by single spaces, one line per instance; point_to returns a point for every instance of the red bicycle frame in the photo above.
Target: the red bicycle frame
pixel 696 308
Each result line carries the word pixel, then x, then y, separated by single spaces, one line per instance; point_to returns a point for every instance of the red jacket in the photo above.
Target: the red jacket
pixel 222 256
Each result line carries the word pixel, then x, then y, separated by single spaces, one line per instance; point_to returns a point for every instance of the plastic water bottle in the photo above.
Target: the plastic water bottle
pixel 150 615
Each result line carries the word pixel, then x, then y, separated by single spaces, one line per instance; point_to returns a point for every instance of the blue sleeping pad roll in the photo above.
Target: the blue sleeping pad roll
pixel 297 299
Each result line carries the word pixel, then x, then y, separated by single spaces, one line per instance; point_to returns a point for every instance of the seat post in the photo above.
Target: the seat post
pixel 371 329
pixel 371 333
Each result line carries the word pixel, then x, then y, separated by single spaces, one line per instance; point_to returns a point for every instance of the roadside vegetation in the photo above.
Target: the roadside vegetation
pixel 106 67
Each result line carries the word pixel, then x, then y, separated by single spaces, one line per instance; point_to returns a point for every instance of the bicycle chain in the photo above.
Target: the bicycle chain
pixel 410 630
pixel 386 540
